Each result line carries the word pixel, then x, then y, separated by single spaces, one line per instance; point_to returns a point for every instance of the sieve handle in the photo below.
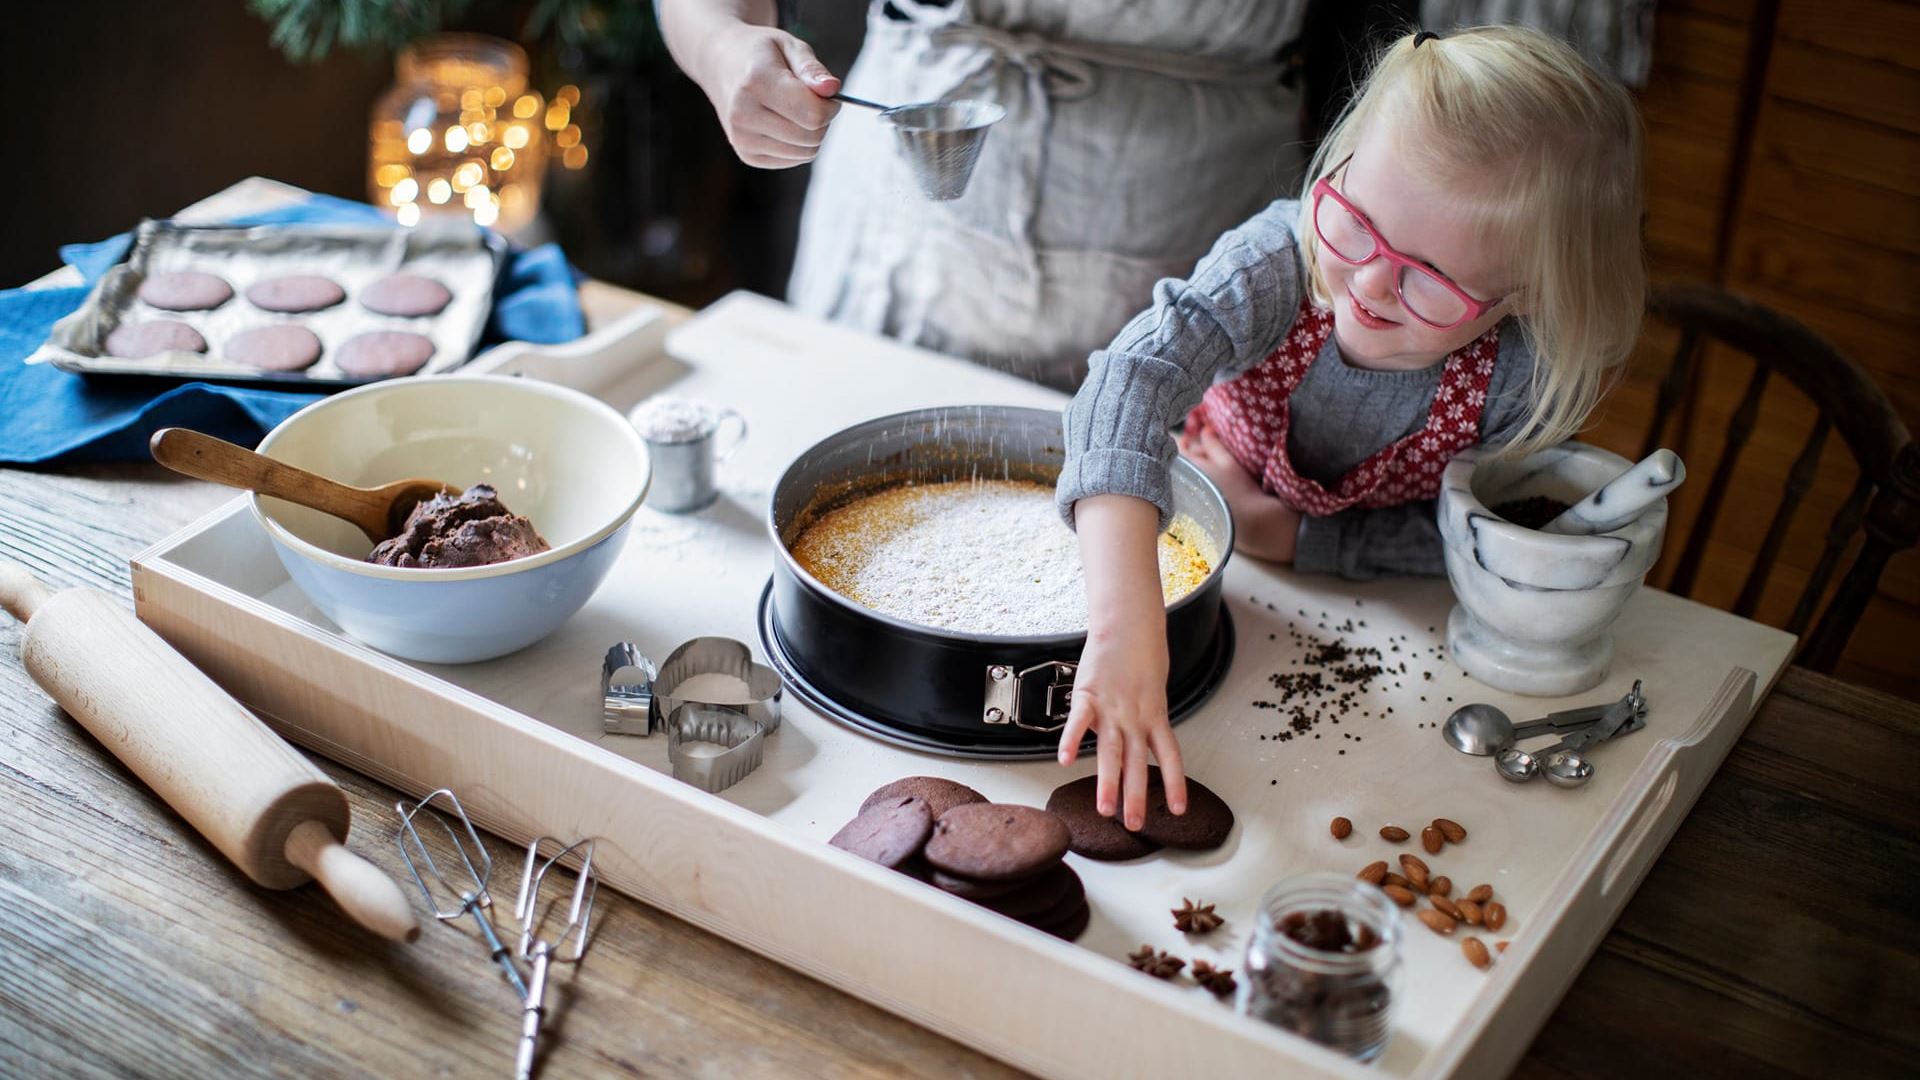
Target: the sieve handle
pixel 862 102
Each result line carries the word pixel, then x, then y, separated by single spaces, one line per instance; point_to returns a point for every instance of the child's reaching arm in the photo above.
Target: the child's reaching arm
pixel 1116 491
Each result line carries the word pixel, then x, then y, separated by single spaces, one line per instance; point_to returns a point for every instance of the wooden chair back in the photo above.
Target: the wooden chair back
pixel 1885 500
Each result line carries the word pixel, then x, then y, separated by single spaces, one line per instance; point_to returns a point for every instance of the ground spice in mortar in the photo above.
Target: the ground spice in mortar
pixel 1531 513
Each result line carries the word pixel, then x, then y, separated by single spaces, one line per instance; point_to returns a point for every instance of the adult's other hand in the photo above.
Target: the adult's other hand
pixel 773 96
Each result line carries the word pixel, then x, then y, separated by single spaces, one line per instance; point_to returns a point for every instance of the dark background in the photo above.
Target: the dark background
pixel 116 111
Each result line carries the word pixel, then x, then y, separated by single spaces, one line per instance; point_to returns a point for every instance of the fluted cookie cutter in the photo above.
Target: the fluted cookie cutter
pixel 639 698
pixel 696 724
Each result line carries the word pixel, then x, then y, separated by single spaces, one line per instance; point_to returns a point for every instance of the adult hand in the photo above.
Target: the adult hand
pixel 773 96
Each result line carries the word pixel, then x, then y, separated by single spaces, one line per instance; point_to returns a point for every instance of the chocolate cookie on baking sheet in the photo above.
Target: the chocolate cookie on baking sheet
pixel 136 340
pixel 274 348
pixel 940 795
pixel 184 290
pixel 996 841
pixel 380 354
pixel 1093 834
pixel 295 293
pixel 891 833
pixel 406 296
pixel 1204 826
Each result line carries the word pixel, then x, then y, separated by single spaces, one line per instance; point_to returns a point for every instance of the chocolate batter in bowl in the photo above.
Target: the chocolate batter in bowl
pixel 961 688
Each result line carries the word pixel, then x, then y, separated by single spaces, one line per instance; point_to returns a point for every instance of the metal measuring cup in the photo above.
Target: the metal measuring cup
pixel 683 438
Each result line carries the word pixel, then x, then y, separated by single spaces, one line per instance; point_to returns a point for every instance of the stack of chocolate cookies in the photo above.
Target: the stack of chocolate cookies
pixel 1004 857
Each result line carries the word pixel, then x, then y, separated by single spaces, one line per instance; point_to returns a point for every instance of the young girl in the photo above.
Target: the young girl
pixel 1463 266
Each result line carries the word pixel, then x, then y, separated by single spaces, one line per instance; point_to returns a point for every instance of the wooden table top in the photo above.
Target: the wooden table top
pixel 1777 935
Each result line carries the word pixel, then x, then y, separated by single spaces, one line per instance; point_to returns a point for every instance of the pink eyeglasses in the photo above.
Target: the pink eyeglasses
pixel 1426 293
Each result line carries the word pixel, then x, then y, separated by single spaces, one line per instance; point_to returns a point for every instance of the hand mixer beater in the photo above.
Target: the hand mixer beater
pixel 541 946
pixel 450 901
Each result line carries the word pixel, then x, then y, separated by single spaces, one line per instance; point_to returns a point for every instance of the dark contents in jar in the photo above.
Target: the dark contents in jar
pixel 1327 930
pixel 1533 512
pixel 1346 1010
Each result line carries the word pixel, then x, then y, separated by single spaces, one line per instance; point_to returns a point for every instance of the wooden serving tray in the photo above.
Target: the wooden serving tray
pixel 519 738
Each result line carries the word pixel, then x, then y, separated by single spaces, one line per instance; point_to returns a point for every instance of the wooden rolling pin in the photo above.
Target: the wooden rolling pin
pixel 265 807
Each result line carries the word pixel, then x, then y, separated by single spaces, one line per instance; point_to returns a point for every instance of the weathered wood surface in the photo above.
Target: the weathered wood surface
pixel 1775 937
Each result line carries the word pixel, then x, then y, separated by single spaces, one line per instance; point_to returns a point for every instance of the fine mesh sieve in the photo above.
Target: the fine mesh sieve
pixel 940 140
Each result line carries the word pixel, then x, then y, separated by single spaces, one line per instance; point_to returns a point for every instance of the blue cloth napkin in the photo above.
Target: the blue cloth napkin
pixel 47 414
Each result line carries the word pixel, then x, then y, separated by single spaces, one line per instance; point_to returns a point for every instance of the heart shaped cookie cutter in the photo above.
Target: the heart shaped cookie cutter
pixel 735 711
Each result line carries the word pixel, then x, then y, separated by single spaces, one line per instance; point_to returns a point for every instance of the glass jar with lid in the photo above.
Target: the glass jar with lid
pixel 460 132
pixel 1324 962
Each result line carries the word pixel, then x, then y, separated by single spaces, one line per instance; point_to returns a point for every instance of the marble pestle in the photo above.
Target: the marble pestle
pixel 1623 498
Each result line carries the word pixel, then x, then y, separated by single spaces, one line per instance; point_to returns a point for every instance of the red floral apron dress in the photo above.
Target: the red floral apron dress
pixel 1250 415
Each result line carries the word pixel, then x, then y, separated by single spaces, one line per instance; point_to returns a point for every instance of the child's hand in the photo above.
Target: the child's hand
pixel 1264 526
pixel 1120 689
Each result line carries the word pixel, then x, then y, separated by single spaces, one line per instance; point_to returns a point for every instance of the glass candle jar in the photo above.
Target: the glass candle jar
pixel 1324 963
pixel 459 133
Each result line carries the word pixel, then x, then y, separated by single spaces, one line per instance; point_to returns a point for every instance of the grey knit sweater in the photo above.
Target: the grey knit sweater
pixel 1234 310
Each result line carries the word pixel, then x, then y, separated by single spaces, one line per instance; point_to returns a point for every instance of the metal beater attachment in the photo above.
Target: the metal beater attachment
pixel 540 944
pixel 450 901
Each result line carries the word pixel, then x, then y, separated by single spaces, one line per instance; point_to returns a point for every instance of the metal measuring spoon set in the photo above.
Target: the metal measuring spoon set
pixel 1484 731
pixel 553 933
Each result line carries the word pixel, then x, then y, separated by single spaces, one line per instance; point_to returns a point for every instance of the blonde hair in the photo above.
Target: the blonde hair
pixel 1550 149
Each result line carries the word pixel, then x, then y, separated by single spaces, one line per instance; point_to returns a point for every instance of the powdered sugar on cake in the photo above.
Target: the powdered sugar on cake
pixel 983 557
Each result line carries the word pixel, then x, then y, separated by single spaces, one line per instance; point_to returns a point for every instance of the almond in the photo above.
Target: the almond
pixel 1409 861
pixel 1392 834
pixel 1375 873
pixel 1500 945
pixel 1342 828
pixel 1471 914
pixel 1400 895
pixel 1441 903
pixel 1432 840
pixel 1450 829
pixel 1396 880
pixel 1494 914
pixel 1481 894
pixel 1438 922
pixel 1476 951
pixel 1418 876
pixel 1440 886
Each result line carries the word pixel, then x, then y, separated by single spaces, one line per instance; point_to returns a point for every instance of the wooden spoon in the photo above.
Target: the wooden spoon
pixel 380 512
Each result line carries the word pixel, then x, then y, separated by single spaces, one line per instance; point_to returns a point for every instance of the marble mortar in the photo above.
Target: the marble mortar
pixel 1534 608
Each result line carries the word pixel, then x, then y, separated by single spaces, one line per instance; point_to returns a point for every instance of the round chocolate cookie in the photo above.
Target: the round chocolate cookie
pixel 1065 904
pixel 1072 926
pixel 132 341
pixel 891 833
pixel 1203 827
pixel 1048 896
pixel 406 295
pixel 1093 834
pixel 185 290
pixel 969 889
pixel 941 795
pixel 383 353
pixel 274 348
pixel 996 841
pixel 295 293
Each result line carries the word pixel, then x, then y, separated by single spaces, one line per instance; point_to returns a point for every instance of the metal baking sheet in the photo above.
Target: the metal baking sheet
pixel 464 258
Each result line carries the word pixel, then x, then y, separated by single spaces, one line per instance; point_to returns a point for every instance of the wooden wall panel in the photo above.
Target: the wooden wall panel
pixel 1825 225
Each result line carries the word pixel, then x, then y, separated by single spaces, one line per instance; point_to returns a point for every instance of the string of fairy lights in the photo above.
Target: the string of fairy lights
pixel 464 140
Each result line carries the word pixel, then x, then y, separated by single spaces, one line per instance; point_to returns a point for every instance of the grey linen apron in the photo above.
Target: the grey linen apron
pixel 1137 132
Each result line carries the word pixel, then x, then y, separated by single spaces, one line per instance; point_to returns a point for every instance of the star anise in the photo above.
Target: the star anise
pixel 1219 981
pixel 1160 965
pixel 1192 918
